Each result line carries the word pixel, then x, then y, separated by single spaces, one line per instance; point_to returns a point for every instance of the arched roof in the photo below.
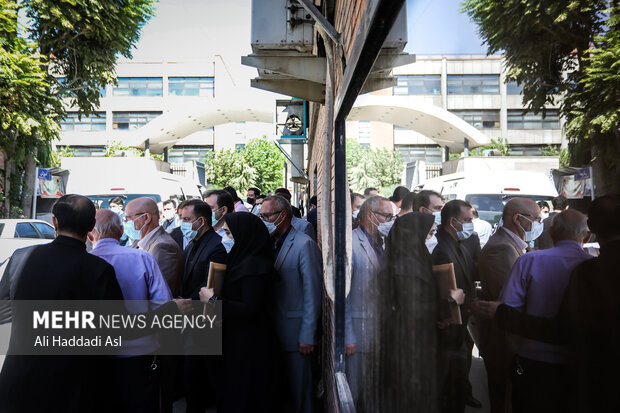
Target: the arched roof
pixel 408 112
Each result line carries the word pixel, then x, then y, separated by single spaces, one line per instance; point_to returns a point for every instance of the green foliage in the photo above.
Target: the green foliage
pixel 112 148
pixel 260 164
pixel 570 48
pixel 551 150
pixel 378 168
pixel 497 144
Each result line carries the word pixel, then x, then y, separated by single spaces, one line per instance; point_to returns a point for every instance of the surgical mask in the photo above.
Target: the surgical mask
pixel 117 210
pixel 466 232
pixel 355 213
pixel 251 201
pixel 168 213
pixel 131 231
pixel 385 227
pixel 431 243
pixel 272 226
pixel 214 221
pixel 437 215
pixel 228 244
pixel 188 232
pixel 532 234
pixel 545 215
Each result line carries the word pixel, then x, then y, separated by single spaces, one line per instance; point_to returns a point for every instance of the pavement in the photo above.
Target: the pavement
pixel 478 380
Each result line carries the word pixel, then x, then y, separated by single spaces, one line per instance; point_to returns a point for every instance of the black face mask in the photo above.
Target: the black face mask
pixel 251 201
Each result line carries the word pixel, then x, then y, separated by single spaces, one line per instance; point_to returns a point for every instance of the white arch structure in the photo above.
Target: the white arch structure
pixel 432 121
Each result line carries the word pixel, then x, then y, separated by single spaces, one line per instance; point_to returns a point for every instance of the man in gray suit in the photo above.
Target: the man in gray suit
pixel 297 294
pixel 367 257
pixel 155 240
pixel 494 266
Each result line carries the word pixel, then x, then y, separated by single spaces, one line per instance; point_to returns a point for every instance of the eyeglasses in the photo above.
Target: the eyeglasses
pixel 388 217
pixel 134 216
pixel 267 216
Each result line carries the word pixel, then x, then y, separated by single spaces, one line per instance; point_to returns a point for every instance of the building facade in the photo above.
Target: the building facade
pixel 475 88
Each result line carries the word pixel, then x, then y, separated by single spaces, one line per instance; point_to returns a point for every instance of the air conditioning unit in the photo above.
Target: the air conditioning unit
pixel 281 25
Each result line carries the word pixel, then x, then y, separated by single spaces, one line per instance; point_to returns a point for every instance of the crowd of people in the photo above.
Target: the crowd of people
pixel 404 349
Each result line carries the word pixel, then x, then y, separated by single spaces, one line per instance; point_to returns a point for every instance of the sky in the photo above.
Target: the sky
pixel 184 29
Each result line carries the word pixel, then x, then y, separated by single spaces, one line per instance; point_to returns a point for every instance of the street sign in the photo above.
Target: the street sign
pixel 44 174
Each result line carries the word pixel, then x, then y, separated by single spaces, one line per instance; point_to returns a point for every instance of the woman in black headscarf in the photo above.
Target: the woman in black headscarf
pixel 408 314
pixel 248 344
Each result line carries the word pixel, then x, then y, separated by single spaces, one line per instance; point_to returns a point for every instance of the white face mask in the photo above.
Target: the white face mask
pixel 466 232
pixel 385 227
pixel 272 226
pixel 431 243
pixel 534 232
pixel 168 213
pixel 228 244
pixel 545 215
pixel 355 213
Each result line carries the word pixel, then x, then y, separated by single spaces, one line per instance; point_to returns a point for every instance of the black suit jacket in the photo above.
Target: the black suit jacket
pixel 208 248
pixel 177 236
pixel 61 270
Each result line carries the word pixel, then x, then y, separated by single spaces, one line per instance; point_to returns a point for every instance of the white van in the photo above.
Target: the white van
pixel 489 192
pixel 102 179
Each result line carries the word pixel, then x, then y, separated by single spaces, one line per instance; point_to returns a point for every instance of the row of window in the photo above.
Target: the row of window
pixel 179 153
pixel 456 85
pixel 97 122
pixel 432 153
pixel 154 86
pixel 517 119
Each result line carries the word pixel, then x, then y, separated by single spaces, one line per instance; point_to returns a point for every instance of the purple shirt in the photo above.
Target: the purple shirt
pixel 140 278
pixel 536 285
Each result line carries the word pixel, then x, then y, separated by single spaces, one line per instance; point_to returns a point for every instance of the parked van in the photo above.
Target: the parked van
pixel 102 179
pixel 489 192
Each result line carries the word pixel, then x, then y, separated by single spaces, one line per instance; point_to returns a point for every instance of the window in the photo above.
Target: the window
pixel 184 153
pixel 239 147
pixel 481 119
pixel 528 150
pixel 85 151
pixel 139 86
pixel 132 120
pixel 512 88
pixel 528 120
pixel 45 230
pixel 411 153
pixel 364 131
pixel 418 85
pixel 72 122
pixel 473 84
pixel 25 230
pixel 191 86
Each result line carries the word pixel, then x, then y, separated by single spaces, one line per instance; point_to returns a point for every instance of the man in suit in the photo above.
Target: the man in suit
pixel 59 383
pixel 361 305
pixel 155 240
pixel 283 192
pixel 221 203
pixel 545 241
pixel 176 233
pixel 455 343
pixel 205 246
pixel 494 266
pixel 170 219
pixel 297 295
pixel 299 224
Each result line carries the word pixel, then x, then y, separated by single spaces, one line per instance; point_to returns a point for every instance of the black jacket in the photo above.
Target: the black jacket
pixel 61 270
pixel 208 248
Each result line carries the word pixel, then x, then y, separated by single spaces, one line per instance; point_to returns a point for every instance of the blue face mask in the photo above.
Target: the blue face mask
pixel 466 231
pixel 534 232
pixel 228 244
pixel 214 221
pixel 188 232
pixel 132 233
pixel 437 215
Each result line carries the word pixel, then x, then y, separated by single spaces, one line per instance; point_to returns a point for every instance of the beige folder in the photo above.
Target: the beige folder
pixel 446 281
pixel 216 277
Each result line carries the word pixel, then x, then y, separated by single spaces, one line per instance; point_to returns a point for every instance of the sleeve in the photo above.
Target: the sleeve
pixel 170 261
pixel 158 287
pixel 349 333
pixel 311 277
pixel 217 255
pixel 543 329
pixel 515 289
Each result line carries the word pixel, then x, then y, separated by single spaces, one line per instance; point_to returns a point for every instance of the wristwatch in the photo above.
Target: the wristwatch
pixel 213 297
pixel 451 300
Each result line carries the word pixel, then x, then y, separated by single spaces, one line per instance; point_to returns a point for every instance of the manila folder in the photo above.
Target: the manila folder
pixel 446 281
pixel 216 277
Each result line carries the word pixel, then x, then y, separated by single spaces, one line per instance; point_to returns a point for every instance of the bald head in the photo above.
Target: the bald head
pixel 107 225
pixel 146 214
pixel 570 225
pixel 515 210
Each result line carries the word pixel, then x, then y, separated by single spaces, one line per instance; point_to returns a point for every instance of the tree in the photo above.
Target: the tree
pixel 378 168
pixel 260 164
pixel 567 51
pixel 69 49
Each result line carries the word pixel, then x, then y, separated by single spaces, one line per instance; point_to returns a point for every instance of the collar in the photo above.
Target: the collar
pixel 70 241
pixel 144 242
pixel 107 241
pixel 520 243
pixel 283 237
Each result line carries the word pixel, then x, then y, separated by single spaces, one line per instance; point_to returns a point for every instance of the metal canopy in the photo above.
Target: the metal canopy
pixel 432 121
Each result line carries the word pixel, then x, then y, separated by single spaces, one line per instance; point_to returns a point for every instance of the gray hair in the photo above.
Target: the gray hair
pixel 281 203
pixel 370 204
pixel 569 225
pixel 108 225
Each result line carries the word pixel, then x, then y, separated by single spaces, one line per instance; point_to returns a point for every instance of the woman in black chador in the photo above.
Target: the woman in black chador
pixel 248 341
pixel 408 315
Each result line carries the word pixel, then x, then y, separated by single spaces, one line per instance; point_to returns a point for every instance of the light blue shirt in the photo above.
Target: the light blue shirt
pixel 140 278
